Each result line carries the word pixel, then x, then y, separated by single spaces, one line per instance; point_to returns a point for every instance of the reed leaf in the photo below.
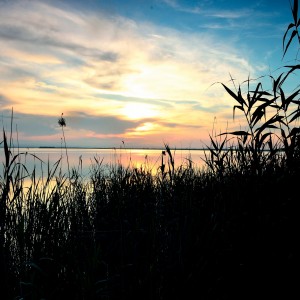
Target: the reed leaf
pixel 237 97
pixel 292 69
pixel 238 133
pixel 295 11
pixel 238 107
pixel 296 115
pixel 294 33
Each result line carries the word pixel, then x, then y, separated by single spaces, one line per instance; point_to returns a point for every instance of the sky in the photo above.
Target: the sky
pixel 143 73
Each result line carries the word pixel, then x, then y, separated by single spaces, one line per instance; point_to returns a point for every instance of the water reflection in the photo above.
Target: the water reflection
pixel 44 160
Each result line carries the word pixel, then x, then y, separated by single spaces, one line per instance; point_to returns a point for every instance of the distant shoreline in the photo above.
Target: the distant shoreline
pixel 114 148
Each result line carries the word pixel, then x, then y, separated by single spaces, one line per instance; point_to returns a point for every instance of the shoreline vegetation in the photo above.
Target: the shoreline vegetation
pixel 141 148
pixel 228 231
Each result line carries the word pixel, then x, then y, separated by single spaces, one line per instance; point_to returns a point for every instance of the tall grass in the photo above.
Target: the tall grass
pixel 226 232
pixel 125 233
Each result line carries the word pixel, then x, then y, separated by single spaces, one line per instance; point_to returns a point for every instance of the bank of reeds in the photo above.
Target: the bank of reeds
pixel 227 232
pixel 125 233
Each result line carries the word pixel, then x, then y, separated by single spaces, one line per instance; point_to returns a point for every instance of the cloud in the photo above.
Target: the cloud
pixel 100 124
pixel 4 101
pixel 31 125
pixel 41 129
pixel 93 66
pixel 36 125
pixel 201 9
pixel 178 7
pixel 105 46
pixel 230 14
pixel 212 109
pixel 177 125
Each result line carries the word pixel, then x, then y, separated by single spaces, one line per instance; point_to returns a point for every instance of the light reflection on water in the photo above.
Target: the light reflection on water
pixel 39 159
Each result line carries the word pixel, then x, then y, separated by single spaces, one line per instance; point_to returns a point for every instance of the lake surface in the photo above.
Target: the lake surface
pixel 82 159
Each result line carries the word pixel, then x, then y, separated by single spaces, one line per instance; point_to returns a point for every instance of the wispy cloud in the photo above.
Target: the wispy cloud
pixel 229 14
pixel 215 17
pixel 187 9
pixel 204 11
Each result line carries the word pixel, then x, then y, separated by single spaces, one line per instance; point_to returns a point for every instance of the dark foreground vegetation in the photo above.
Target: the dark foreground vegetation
pixel 226 232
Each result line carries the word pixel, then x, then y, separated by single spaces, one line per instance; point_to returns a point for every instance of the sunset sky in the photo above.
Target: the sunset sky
pixel 138 71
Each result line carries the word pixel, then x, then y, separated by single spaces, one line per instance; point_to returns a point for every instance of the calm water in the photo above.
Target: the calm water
pixel 82 159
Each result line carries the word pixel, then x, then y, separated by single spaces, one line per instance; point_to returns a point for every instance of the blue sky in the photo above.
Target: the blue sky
pixel 143 72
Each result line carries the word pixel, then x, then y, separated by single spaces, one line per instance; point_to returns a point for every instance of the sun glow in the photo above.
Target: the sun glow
pixel 135 111
pixel 146 127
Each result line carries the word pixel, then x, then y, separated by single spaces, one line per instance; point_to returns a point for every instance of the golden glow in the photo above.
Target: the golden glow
pixel 135 111
pixel 146 127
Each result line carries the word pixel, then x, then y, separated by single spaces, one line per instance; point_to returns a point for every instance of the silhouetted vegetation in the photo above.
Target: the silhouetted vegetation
pixel 226 232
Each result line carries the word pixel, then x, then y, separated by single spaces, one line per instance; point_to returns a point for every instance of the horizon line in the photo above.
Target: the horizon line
pixel 110 148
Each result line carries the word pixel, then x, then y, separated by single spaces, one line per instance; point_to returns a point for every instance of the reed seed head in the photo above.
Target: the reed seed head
pixel 62 121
